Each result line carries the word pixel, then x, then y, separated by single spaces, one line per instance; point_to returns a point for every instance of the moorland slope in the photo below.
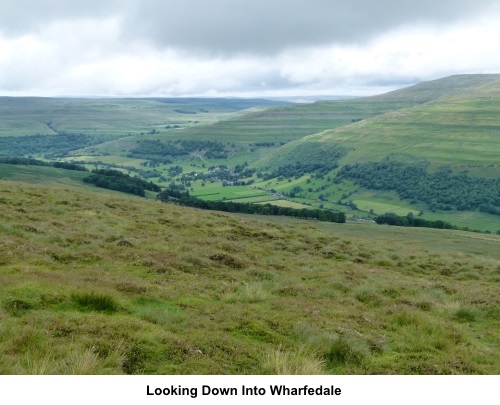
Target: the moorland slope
pixel 115 284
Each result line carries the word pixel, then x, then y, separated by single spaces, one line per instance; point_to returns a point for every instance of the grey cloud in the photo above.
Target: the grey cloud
pixel 19 17
pixel 241 26
pixel 234 46
pixel 266 26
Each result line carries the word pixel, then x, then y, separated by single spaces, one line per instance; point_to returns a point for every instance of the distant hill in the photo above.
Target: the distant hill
pixel 455 122
pixel 20 116
pixel 447 124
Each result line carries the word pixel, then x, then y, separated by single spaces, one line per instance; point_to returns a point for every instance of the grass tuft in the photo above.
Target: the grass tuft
pixel 300 362
pixel 347 350
pixel 467 314
pixel 95 302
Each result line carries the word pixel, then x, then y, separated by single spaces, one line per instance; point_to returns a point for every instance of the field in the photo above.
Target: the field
pixel 104 283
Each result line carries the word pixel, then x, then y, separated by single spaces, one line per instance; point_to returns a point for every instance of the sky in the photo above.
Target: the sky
pixel 241 48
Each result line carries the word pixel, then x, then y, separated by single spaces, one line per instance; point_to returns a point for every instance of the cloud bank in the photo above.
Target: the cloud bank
pixel 234 47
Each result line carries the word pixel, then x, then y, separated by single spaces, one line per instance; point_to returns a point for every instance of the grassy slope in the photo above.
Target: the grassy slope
pixel 448 121
pixel 453 122
pixel 273 125
pixel 106 283
pixel 33 115
pixel 288 123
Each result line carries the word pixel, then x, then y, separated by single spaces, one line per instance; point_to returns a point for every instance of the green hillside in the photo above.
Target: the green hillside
pixel 255 134
pixel 455 127
pixel 448 121
pixel 459 129
pixel 100 283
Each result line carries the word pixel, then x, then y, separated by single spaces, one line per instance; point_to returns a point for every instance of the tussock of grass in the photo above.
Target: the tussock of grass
pixel 280 362
pixel 81 363
pixel 367 295
pixel 248 293
pixel 95 302
pixel 347 350
pixel 467 314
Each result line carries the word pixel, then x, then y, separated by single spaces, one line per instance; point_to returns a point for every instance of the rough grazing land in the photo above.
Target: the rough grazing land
pixel 104 283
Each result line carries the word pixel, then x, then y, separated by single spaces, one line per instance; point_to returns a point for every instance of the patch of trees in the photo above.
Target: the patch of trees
pixel 298 169
pixel 70 166
pixel 49 145
pixel 24 161
pixel 116 180
pixel 36 162
pixel 182 197
pixel 410 220
pixel 174 170
pixel 309 158
pixel 210 149
pixel 441 190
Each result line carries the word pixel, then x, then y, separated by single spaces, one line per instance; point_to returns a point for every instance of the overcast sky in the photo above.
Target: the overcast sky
pixel 241 47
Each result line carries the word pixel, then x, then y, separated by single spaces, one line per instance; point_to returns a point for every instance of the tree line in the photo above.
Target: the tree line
pixel 410 220
pixel 182 197
pixel 48 145
pixel 35 162
pixel 440 190
pixel 116 180
pixel 211 149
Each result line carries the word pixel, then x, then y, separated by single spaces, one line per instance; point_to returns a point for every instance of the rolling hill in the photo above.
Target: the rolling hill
pixel 453 125
pixel 22 116
pixel 452 121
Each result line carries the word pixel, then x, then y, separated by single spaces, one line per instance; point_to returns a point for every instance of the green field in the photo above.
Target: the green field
pixel 215 192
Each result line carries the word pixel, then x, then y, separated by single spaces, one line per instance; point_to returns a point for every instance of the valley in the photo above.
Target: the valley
pixel 116 257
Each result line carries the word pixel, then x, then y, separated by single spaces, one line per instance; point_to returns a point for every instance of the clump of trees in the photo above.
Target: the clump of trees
pixel 36 162
pixel 119 181
pixel 24 161
pixel 151 148
pixel 441 190
pixel 180 196
pixel 298 169
pixel 410 220
pixel 48 145
pixel 70 166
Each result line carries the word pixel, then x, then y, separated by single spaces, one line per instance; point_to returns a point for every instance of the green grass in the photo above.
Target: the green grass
pixel 215 192
pixel 105 283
